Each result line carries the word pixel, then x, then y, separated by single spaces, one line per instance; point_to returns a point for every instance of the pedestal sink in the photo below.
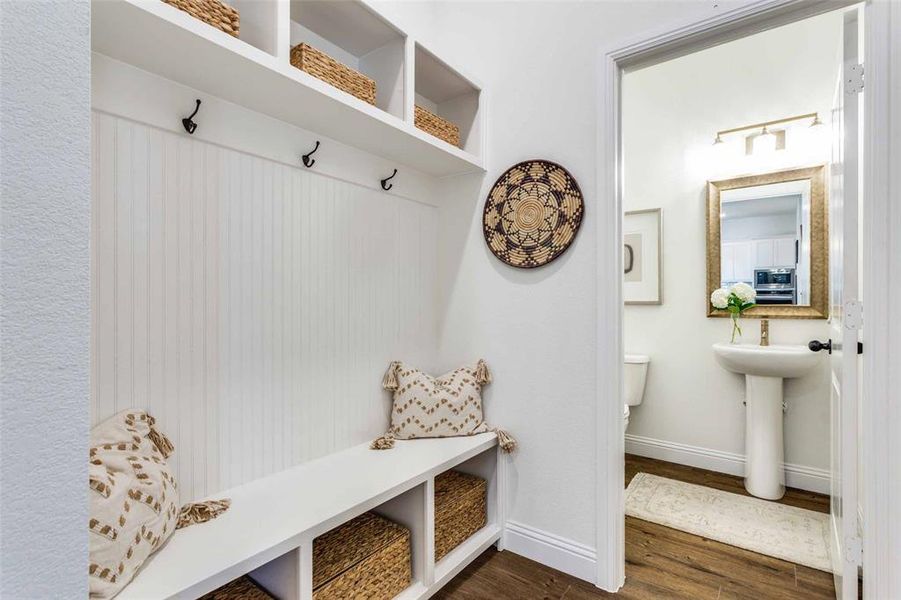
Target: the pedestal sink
pixel 764 368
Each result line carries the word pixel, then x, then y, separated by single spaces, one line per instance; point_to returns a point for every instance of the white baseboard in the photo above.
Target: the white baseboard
pixel 580 560
pixel 551 550
pixel 796 476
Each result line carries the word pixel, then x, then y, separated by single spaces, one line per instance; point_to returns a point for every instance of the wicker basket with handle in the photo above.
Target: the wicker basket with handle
pixel 212 12
pixel 367 557
pixel 436 126
pixel 460 509
pixel 324 67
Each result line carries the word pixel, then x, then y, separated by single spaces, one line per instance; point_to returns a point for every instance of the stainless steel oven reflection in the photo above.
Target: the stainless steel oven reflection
pixel 775 286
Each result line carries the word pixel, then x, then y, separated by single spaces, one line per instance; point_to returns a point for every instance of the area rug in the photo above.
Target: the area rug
pixel 786 532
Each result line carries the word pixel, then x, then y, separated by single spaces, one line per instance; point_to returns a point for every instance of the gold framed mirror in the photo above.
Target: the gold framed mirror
pixel 771 232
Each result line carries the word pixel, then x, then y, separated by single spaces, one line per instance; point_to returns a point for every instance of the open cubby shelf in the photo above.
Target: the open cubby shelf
pixel 269 529
pixel 358 38
pixel 446 93
pixel 254 70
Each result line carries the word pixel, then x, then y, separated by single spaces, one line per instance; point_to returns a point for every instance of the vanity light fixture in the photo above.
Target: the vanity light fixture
pixel 765 129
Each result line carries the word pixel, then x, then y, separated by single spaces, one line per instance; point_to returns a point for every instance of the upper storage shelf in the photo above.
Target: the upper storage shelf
pixel 448 94
pixel 254 70
pixel 358 38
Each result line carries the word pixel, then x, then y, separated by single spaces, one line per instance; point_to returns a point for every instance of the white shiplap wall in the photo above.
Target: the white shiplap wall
pixel 251 306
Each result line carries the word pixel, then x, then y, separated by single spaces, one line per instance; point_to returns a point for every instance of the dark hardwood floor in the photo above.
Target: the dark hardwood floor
pixel 660 562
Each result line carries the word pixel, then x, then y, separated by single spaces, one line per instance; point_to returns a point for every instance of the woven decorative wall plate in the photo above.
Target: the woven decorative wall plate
pixel 532 214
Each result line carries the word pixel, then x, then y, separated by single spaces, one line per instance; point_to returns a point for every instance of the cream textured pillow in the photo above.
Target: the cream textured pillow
pixel 134 499
pixel 429 407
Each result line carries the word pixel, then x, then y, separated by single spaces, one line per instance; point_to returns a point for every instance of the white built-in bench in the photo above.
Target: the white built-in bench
pixel 269 529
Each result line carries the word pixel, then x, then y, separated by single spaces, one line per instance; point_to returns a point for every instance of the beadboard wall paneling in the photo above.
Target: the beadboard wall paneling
pixel 250 306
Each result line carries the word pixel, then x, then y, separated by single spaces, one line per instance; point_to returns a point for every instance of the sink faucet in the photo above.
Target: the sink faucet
pixel 764 332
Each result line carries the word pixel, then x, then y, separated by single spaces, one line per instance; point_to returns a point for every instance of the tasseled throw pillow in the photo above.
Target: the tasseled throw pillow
pixel 134 499
pixel 429 407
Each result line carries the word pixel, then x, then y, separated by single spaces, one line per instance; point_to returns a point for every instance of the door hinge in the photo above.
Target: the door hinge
pixel 852 315
pixel 853 550
pixel 854 79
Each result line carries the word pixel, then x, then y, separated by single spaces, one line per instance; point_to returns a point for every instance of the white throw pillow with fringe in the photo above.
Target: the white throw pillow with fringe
pixel 134 499
pixel 434 407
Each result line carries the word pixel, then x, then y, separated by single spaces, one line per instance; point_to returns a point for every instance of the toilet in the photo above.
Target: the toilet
pixel 635 374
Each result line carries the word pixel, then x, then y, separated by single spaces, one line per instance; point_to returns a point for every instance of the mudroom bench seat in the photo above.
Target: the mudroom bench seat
pixel 269 529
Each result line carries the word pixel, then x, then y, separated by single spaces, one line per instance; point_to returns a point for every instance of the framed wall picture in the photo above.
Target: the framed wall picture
pixel 642 256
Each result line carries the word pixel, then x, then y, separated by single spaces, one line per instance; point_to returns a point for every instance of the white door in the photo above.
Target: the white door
pixel 845 317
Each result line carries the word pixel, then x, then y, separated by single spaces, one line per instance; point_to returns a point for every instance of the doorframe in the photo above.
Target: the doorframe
pixel 881 418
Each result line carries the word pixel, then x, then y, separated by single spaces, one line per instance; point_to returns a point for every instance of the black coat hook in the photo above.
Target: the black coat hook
pixel 387 186
pixel 307 161
pixel 190 125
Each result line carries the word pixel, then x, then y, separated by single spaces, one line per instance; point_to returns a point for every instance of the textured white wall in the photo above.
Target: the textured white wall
pixel 45 283
pixel 669 157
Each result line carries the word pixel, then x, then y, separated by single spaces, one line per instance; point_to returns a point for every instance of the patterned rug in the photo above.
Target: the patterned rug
pixel 794 534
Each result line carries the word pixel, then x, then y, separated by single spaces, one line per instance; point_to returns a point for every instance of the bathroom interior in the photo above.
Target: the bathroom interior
pixel 727 188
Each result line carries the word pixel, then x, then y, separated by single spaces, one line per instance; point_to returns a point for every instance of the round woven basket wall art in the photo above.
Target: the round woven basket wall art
pixel 532 214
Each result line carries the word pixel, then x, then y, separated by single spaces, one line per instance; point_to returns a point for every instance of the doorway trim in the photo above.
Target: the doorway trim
pixel 880 445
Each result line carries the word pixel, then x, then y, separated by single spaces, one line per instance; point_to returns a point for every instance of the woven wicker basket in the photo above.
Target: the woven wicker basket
pixel 436 126
pixel 460 509
pixel 367 557
pixel 212 12
pixel 324 67
pixel 242 588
